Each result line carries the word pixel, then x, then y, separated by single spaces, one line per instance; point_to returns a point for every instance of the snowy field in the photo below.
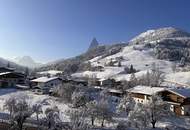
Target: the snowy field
pixel 180 77
pixel 45 100
pixel 141 59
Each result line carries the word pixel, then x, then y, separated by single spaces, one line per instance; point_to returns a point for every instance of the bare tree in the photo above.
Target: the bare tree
pixel 104 112
pixel 92 111
pixel 65 91
pixel 52 118
pixel 153 111
pixel 138 117
pixel 157 109
pixel 19 111
pixel 10 105
pixel 154 78
pixel 78 119
pixel 37 109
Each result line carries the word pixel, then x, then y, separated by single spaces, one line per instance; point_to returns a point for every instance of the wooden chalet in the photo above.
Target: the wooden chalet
pixel 141 94
pixel 10 79
pixel 178 98
pixel 76 81
pixel 6 69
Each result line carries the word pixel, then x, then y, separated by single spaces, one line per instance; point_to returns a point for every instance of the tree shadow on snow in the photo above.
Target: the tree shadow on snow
pixel 4 91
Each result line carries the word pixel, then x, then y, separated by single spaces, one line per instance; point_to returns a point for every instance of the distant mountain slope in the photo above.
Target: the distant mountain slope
pixel 27 61
pixel 157 34
pixel 6 63
pixel 77 63
pixel 165 48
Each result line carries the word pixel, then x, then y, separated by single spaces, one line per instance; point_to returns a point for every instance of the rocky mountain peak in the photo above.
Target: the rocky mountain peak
pixel 93 44
pixel 27 61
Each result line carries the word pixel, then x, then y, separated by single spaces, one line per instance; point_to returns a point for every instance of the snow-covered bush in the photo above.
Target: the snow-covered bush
pixel 64 91
pixel 79 99
pixel 126 105
pixel 139 117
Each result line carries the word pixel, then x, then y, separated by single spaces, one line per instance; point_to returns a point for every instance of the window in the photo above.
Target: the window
pixel 178 99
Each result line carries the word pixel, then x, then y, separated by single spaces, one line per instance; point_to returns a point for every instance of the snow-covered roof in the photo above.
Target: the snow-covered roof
pixel 44 79
pixel 115 91
pixel 13 73
pixel 146 90
pixel 51 72
pixel 184 92
pixel 4 73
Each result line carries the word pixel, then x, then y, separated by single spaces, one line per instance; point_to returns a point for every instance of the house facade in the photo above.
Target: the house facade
pixel 177 99
pixel 46 83
pixel 142 94
pixel 10 79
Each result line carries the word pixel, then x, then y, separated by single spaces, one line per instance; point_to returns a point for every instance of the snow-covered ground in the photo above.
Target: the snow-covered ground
pixel 180 77
pixel 45 100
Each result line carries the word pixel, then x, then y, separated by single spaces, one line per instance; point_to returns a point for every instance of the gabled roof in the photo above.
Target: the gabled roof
pixel 51 72
pixel 184 92
pixel 5 73
pixel 45 79
pixel 147 90
pixel 12 74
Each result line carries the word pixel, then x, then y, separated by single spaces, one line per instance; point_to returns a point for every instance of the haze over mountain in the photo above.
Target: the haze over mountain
pixel 27 61
pixel 8 63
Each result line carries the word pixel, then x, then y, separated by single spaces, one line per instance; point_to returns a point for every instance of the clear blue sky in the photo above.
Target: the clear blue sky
pixel 51 29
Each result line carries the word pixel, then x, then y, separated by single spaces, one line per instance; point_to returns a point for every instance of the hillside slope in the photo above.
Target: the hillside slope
pixel 165 48
pixel 78 63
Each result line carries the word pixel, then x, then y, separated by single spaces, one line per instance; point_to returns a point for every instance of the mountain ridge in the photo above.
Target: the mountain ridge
pixel 160 41
pixel 27 61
